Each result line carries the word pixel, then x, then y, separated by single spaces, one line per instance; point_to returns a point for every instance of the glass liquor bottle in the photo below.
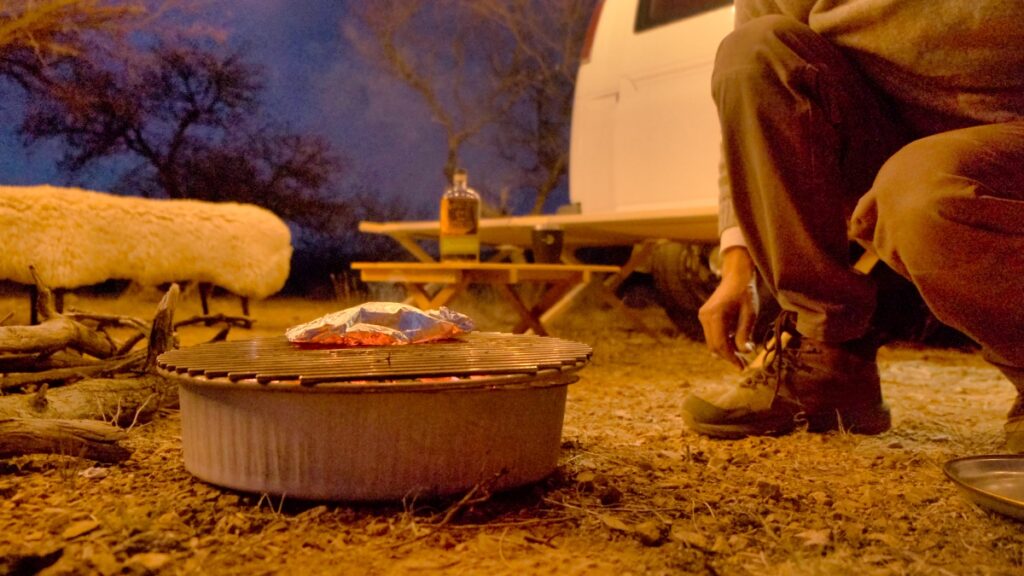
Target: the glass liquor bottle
pixel 460 221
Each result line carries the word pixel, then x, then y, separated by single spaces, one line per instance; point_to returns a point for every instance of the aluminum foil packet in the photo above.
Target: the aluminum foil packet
pixel 381 324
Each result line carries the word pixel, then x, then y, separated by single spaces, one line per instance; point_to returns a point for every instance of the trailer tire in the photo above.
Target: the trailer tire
pixel 684 278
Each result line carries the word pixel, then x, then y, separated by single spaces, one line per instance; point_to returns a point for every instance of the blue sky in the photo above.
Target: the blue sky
pixel 317 82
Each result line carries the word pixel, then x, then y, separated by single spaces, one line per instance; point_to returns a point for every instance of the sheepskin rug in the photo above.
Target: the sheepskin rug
pixel 77 237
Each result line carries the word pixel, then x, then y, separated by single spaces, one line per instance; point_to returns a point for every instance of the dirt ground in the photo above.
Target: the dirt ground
pixel 634 492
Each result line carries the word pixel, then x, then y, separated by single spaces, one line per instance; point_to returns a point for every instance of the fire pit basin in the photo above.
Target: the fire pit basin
pixel 382 423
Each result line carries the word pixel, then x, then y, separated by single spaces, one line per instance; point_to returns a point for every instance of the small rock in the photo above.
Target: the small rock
pixel 821 498
pixel 690 538
pixel 169 518
pixel 739 460
pixel 614 523
pixel 649 533
pixel 853 532
pixel 609 495
pixel 150 561
pixel 94 472
pixel 769 490
pixel 585 481
pixel 717 463
pixel 79 528
pixel 672 455
pixel 737 543
pixel 104 563
pixel 816 537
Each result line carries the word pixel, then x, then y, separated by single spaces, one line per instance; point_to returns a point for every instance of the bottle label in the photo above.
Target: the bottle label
pixel 459 215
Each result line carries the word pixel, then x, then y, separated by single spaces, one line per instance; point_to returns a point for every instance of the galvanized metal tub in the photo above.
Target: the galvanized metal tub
pixel 398 435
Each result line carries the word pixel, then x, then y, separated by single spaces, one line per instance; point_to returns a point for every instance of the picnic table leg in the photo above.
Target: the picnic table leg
pixel 413 247
pixel 417 295
pixel 424 301
pixel 555 295
pixel 557 300
pixel 641 256
pixel 528 319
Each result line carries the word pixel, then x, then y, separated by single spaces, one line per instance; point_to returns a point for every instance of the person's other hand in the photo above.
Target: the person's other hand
pixel 729 313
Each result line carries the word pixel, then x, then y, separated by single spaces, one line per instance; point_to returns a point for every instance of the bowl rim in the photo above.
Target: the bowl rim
pixel 949 467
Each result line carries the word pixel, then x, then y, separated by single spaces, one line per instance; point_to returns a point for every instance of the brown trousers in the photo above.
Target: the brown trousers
pixel 816 156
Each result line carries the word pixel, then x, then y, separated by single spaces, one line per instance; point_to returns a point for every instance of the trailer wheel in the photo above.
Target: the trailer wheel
pixel 684 278
pixel 685 275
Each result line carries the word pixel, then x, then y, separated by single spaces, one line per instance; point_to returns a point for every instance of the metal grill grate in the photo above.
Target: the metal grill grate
pixel 274 359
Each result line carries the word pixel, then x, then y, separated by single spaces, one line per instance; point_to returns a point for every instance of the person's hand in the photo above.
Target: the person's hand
pixel 728 315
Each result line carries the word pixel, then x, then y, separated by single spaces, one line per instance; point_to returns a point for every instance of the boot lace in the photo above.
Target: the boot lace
pixel 780 356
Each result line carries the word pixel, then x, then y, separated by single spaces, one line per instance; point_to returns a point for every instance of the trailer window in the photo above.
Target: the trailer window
pixel 653 13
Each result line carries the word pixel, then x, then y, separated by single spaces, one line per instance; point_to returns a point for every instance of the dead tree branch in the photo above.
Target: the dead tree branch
pixel 161 336
pixel 110 320
pixel 82 438
pixel 116 399
pixel 130 362
pixel 56 333
pixel 51 420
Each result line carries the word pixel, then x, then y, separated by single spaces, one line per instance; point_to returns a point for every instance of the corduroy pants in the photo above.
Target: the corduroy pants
pixel 816 156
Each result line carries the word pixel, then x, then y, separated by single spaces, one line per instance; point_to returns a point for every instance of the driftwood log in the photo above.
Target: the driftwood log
pixel 69 374
pixel 82 438
pixel 68 350
pixel 121 401
pixel 57 333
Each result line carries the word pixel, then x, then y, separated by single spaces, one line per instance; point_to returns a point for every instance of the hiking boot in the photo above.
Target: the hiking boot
pixel 804 381
pixel 1014 427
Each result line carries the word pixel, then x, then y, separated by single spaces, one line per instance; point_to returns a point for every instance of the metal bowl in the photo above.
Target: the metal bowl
pixel 994 481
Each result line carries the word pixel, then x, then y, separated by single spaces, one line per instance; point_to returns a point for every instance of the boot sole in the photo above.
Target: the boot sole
pixel 866 421
pixel 737 431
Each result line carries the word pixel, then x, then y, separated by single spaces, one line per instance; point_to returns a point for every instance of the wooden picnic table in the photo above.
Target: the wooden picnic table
pixel 694 224
pixel 431 283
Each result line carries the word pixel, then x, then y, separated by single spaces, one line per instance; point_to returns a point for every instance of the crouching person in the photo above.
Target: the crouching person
pixel 895 123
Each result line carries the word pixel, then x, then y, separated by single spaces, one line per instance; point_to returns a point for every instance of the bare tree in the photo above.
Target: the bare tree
pixel 429 47
pixel 536 66
pixel 508 64
pixel 38 34
pixel 189 117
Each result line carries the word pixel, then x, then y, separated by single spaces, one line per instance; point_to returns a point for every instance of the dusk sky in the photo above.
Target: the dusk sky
pixel 318 82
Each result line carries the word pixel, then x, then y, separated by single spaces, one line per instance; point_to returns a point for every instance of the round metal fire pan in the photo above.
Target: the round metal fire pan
pixel 332 444
pixel 263 416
